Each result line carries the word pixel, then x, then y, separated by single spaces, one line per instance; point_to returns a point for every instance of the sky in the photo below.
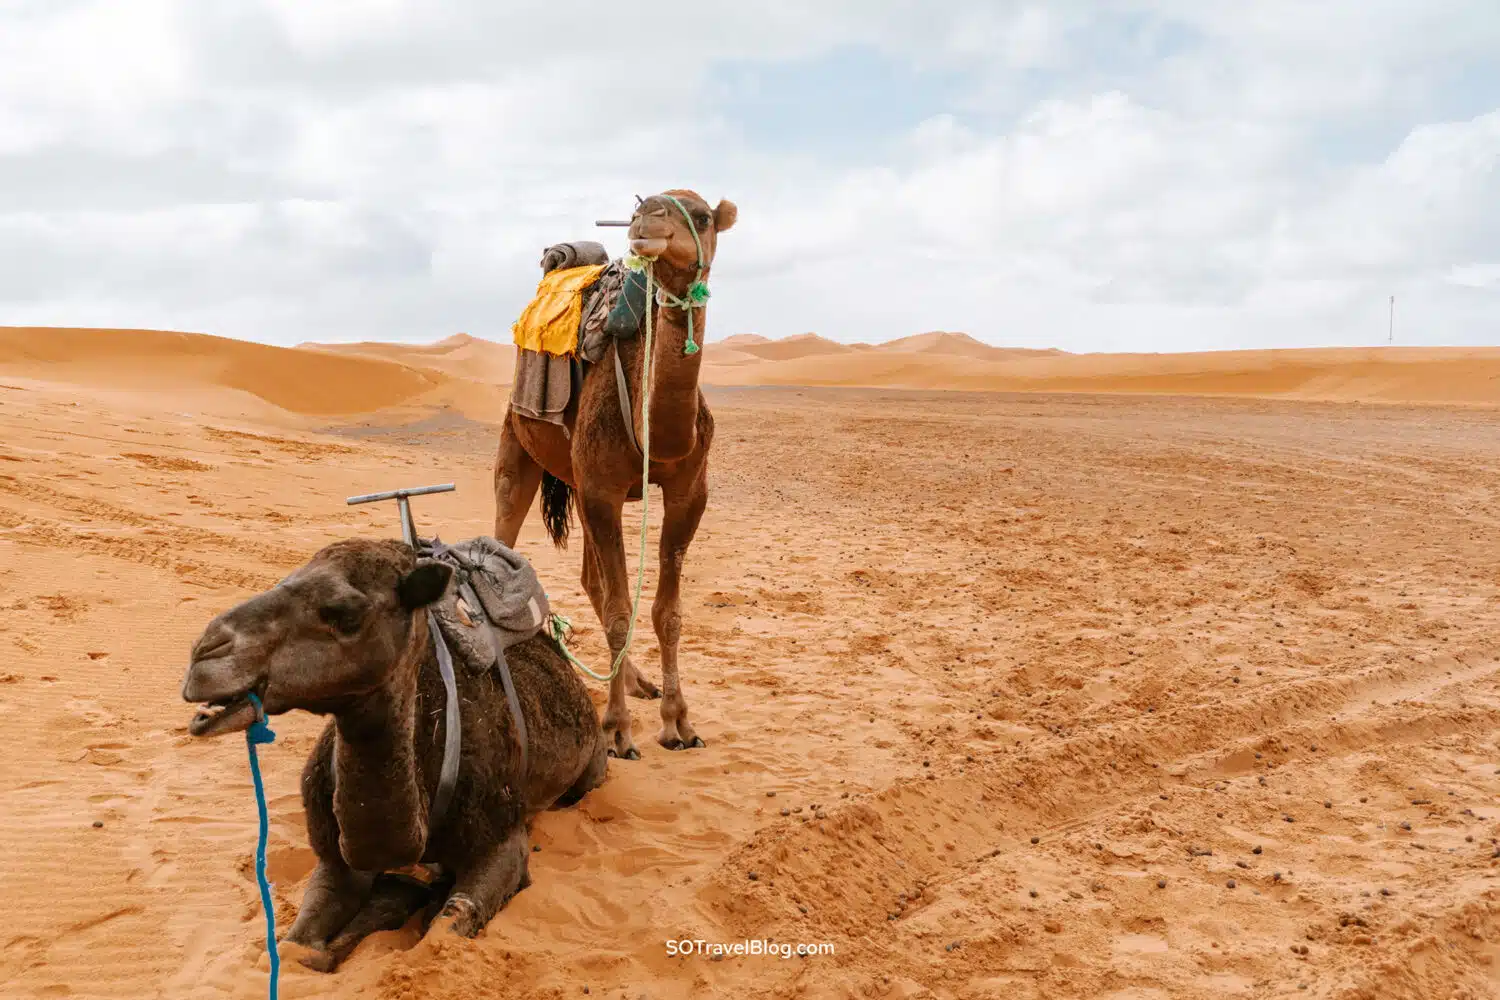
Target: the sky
pixel 1139 175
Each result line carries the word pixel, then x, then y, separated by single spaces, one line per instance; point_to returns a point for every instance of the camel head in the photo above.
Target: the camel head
pixel 335 629
pixel 660 230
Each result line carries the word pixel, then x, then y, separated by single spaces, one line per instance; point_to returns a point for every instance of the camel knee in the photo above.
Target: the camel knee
pixel 668 622
pixel 617 629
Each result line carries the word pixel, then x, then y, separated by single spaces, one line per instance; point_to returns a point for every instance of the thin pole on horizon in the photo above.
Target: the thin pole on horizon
pixel 1390 337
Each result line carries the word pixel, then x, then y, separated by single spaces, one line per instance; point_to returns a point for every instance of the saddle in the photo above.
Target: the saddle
pixel 494 602
pixel 583 302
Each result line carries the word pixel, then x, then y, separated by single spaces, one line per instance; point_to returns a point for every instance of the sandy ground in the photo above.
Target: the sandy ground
pixel 1006 695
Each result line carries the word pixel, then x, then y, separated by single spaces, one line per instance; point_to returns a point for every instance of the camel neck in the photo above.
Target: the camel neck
pixel 674 389
pixel 378 793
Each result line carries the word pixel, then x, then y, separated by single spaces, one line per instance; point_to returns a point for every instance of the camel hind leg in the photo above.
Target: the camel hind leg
pixel 517 479
pixel 685 502
pixel 592 777
pixel 486 886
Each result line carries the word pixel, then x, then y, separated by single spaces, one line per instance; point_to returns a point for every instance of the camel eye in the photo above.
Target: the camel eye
pixel 344 619
pixel 701 220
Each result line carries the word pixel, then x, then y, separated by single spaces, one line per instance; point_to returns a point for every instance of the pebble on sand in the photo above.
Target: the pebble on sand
pixel 1161 883
pixel 1036 840
pixel 98 824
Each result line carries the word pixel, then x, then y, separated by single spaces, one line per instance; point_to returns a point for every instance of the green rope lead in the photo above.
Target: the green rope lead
pixel 648 368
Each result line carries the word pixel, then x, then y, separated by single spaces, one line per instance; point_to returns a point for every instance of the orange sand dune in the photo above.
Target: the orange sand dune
pixel 301 382
pixel 742 340
pixel 958 345
pixel 802 345
pixel 468 374
pixel 459 356
pixel 1458 375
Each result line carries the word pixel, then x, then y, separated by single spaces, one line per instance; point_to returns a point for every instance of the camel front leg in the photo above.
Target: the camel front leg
pixel 484 887
pixel 601 523
pixel 517 478
pixel 335 894
pixel 637 685
pixel 393 900
pixel 681 515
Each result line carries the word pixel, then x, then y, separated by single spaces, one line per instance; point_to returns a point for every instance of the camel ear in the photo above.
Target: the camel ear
pixel 725 215
pixel 425 584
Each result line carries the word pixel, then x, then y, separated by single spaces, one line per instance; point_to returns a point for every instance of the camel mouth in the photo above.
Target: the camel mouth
pixel 226 715
pixel 648 247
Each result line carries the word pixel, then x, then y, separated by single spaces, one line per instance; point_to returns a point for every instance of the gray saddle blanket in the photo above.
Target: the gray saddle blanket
pixel 503 584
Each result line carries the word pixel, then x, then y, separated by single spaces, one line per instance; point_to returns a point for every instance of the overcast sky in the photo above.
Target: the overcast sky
pixel 1151 175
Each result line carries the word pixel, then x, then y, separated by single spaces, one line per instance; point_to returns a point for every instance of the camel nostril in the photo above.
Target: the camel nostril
pixel 207 648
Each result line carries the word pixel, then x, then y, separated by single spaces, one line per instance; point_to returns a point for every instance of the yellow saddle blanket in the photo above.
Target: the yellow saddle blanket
pixel 549 323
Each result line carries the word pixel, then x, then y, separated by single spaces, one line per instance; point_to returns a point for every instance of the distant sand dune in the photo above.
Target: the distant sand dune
pixel 459 356
pixel 469 373
pixel 1457 375
pixel 303 382
pixel 957 345
pixel 743 339
pixel 803 345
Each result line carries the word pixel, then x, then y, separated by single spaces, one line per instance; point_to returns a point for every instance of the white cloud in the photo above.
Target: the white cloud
pixel 1167 176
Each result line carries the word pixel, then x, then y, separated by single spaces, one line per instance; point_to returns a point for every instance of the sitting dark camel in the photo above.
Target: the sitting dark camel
pixel 346 636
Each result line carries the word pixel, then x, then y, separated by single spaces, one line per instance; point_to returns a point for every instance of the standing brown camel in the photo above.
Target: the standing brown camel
pixel 596 457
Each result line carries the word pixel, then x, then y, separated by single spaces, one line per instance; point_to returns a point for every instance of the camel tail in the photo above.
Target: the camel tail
pixel 557 508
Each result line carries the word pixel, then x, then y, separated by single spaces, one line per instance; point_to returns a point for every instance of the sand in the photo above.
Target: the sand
pixel 1036 676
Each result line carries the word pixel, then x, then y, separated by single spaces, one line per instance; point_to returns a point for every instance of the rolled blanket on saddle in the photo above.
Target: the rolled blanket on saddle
pixel 582 301
pixel 561 256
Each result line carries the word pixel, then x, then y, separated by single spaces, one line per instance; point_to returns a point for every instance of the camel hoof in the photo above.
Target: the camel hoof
pixel 697 743
pixel 461 916
pixel 316 959
pixel 644 689
pixel 677 743
pixel 631 753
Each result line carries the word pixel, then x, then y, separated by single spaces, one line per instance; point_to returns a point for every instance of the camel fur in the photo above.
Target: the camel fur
pixel 592 463
pixel 346 636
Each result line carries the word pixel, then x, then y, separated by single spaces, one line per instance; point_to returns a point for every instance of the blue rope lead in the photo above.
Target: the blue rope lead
pixel 260 732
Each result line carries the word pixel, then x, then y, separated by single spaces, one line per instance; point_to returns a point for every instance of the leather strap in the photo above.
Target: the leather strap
pixel 452 728
pixel 505 679
pixel 627 412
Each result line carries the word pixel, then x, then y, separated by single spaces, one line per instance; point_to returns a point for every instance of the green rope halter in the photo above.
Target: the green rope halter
pixel 697 293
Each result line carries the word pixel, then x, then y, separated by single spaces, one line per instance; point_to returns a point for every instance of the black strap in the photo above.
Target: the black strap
pixel 468 594
pixel 452 728
pixel 452 724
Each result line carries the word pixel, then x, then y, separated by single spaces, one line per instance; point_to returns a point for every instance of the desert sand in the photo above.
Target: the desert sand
pixel 1171 676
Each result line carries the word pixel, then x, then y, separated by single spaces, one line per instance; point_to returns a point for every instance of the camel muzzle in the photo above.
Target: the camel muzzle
pixel 216 719
pixel 222 690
